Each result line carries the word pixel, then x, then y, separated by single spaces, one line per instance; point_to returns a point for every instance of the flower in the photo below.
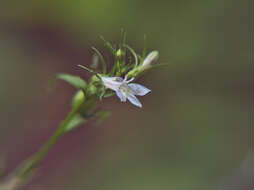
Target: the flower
pixel 124 90
pixel 149 61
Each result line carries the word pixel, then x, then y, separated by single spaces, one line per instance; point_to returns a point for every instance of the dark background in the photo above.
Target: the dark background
pixel 195 130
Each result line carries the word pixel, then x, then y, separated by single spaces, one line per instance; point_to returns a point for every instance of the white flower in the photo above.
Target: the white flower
pixel 124 90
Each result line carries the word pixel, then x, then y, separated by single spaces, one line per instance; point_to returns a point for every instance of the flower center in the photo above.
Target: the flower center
pixel 125 88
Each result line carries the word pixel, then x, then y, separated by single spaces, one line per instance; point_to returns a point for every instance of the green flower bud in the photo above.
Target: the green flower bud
pixel 119 53
pixel 78 99
pixel 150 60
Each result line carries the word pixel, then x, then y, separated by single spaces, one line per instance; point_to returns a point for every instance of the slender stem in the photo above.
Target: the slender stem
pixel 22 174
pixel 36 159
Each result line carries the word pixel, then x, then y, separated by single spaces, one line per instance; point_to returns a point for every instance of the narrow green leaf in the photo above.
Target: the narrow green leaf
pixel 104 66
pixel 75 81
pixel 144 50
pixel 133 53
pixel 118 68
pixel 124 42
pixel 122 39
pixel 109 46
pixel 111 73
pixel 90 70
pixel 75 122
pixel 127 68
pixel 95 61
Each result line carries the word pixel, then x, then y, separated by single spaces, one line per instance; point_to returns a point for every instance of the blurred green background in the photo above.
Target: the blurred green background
pixel 196 127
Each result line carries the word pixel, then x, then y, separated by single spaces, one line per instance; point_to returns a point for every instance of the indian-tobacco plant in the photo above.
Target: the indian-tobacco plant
pixel 127 67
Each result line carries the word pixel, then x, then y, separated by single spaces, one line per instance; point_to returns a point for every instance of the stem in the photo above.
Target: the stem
pixel 22 174
pixel 37 158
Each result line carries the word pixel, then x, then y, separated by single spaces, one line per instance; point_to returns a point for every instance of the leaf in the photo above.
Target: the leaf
pixel 122 39
pixel 109 46
pixel 144 50
pixel 104 66
pixel 75 81
pixel 133 53
pixel 89 70
pixel 75 122
pixel 102 115
pixel 127 68
pixel 95 61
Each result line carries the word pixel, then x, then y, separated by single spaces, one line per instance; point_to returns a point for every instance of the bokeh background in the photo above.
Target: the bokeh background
pixel 195 130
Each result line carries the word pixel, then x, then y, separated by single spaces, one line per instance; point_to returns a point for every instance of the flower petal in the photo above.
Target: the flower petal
pixel 121 96
pixel 112 83
pixel 139 89
pixel 117 79
pixel 134 100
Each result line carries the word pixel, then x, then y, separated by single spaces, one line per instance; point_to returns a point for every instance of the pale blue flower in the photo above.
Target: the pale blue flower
pixel 126 90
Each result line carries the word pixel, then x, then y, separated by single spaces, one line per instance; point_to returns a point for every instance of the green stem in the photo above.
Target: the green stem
pixel 22 174
pixel 36 159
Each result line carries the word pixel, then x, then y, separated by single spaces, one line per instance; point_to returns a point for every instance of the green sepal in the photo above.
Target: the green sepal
pixel 109 94
pixel 104 66
pixel 133 53
pixel 109 46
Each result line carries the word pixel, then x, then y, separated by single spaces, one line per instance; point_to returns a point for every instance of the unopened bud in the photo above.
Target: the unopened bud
pixel 150 60
pixel 119 53
pixel 78 99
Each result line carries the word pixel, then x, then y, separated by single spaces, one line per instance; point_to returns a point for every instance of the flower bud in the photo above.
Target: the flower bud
pixel 78 99
pixel 119 53
pixel 150 60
